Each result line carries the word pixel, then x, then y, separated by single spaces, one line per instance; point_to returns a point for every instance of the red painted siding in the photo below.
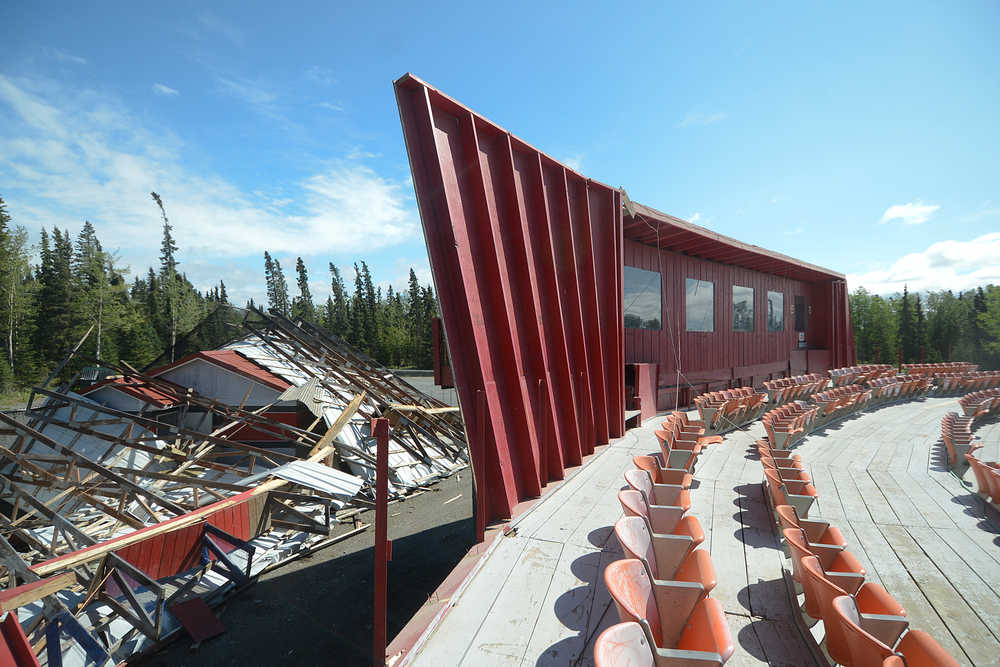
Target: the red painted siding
pixel 724 354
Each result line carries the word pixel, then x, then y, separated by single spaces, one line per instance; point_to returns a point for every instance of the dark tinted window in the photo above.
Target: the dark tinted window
pixel 641 298
pixel 742 308
pixel 699 305
pixel 775 311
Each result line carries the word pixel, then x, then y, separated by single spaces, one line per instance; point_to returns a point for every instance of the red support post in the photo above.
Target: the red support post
pixel 380 429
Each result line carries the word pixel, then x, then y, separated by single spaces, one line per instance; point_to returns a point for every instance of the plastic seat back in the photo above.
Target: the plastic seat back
pixel 787 517
pixel 824 593
pixel 623 645
pixel 690 526
pixel 647 463
pixel 632 591
pixel 633 534
pixel 641 482
pixel 921 650
pixel 864 648
pixel 634 504
pixel 708 631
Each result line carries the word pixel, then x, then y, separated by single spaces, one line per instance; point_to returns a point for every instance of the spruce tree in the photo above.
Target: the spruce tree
pixel 168 277
pixel 340 316
pixel 303 304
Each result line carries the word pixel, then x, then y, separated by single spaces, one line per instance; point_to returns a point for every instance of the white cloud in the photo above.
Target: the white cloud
pixel 695 218
pixel 321 75
pixel 698 118
pixel 330 106
pixel 215 24
pixel 913 213
pixel 60 167
pixel 574 162
pixel 246 90
pixel 955 265
pixel 65 57
pixel 161 89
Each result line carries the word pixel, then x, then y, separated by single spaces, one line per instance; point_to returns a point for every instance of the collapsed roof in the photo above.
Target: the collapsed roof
pixel 112 520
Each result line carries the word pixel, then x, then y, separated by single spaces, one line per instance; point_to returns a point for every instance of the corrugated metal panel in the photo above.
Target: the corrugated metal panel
pixel 320 477
pixel 526 256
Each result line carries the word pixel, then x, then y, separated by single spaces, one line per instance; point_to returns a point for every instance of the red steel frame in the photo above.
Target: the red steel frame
pixel 526 256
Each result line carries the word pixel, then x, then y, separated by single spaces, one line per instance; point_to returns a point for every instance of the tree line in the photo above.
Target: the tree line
pixel 392 327
pixel 77 285
pixel 940 326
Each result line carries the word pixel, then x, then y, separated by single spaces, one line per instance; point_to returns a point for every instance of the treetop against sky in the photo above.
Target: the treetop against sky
pixel 855 138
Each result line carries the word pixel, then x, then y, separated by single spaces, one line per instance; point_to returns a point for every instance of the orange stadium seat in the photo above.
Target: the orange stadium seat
pixel 700 637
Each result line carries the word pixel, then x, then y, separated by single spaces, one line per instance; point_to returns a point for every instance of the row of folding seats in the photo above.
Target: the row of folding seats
pixel 890 388
pixel 728 408
pixel 987 474
pixel 956 432
pixel 862 373
pixel 863 623
pixel 661 588
pixel 980 404
pixel 840 401
pixel 960 383
pixel 783 390
pixel 943 367
pixel 788 423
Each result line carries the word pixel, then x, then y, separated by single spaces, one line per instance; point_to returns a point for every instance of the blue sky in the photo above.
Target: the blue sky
pixel 864 140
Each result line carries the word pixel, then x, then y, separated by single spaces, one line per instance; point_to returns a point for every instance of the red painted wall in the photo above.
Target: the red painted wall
pixel 723 354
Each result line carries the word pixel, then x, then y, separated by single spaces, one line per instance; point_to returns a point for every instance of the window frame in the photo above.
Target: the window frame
pixel 753 308
pixel 711 310
pixel 659 288
pixel 769 311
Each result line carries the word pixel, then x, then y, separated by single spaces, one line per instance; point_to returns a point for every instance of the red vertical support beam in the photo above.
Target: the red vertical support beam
pixel 380 428
pixel 582 221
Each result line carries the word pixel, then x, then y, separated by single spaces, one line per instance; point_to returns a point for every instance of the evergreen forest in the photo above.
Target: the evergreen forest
pixel 56 289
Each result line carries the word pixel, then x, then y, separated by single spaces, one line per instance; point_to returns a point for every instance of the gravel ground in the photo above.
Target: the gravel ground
pixel 318 609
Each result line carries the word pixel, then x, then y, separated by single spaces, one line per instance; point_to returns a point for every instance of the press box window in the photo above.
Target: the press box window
pixel 742 308
pixel 775 311
pixel 642 298
pixel 699 305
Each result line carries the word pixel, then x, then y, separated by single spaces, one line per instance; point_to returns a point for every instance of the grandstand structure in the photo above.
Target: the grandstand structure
pixel 837 530
pixel 838 525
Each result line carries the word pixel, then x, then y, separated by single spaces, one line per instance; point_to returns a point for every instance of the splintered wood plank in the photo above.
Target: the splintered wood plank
pixel 898 581
pixel 504 634
pixel 978 591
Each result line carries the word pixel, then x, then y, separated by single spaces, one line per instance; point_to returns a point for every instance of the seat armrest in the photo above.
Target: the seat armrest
pixel 887 629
